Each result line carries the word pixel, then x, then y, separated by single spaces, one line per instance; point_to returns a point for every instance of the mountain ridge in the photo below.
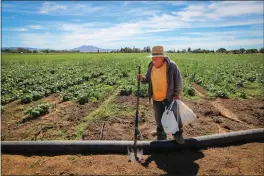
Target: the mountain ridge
pixel 91 48
pixel 83 48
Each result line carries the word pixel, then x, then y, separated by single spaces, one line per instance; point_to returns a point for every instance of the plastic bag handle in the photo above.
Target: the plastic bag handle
pixel 172 103
pixel 178 112
pixel 170 107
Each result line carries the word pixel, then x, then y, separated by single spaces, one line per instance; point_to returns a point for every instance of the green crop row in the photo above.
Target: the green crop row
pixel 85 77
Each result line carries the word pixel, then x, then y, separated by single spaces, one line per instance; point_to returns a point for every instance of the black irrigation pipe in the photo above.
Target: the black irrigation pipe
pixel 108 146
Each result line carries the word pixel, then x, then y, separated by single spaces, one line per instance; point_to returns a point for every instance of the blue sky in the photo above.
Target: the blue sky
pixel 116 24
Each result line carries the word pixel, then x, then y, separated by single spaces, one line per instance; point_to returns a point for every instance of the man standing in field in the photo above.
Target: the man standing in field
pixel 165 85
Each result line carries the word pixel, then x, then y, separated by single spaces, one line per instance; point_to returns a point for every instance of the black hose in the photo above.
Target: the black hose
pixel 107 146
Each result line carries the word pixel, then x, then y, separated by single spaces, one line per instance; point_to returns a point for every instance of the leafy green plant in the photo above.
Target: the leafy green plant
pixel 190 91
pixel 242 95
pixel 29 78
pixel 221 94
pixel 27 98
pixel 143 92
pixel 125 90
pixel 67 97
pixel 82 99
pixel 39 110
pixel 124 74
pixel 37 95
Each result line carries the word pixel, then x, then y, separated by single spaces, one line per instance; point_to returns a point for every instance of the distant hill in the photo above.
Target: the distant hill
pixel 90 48
pixel 14 48
pixel 83 48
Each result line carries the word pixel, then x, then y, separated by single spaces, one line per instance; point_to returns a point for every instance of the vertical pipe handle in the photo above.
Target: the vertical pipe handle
pixel 138 88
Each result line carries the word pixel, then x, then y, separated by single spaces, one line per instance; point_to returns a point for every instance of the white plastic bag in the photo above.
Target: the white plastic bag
pixel 168 120
pixel 186 114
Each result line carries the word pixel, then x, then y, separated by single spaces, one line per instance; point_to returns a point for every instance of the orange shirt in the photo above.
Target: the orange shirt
pixel 159 82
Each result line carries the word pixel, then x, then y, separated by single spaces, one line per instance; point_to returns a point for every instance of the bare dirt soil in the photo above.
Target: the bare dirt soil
pixel 245 159
pixel 214 116
pixel 57 125
pixel 210 119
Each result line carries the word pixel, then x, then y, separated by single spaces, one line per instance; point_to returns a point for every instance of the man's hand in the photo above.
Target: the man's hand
pixel 140 77
pixel 176 97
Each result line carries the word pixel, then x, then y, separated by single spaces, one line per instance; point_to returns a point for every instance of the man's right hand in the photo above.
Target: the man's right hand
pixel 140 77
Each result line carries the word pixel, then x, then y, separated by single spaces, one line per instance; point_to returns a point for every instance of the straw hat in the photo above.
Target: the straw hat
pixel 157 51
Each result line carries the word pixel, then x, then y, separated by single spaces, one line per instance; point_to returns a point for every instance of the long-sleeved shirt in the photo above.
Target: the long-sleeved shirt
pixel 174 80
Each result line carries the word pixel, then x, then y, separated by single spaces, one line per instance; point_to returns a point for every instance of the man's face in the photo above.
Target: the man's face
pixel 158 61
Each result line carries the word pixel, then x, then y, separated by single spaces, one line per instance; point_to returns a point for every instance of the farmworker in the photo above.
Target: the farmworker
pixel 164 85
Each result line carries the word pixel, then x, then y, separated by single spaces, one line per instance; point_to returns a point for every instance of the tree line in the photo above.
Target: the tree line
pixel 220 50
pixel 189 50
pixel 144 50
pixel 25 50
pixel 135 50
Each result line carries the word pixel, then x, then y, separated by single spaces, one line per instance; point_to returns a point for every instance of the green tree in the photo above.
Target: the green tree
pixel 146 49
pixel 251 51
pixel 242 50
pixel 221 50
pixel 197 50
pixel 183 50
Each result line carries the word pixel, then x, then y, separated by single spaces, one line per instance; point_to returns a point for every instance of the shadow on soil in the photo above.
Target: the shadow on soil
pixel 28 118
pixel 181 162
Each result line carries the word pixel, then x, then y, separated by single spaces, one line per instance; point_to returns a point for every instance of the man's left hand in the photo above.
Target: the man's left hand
pixel 176 97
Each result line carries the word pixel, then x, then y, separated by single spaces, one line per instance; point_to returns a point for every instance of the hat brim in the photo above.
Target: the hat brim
pixel 157 56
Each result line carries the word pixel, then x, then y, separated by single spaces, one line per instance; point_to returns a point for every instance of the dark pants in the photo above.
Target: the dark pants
pixel 159 108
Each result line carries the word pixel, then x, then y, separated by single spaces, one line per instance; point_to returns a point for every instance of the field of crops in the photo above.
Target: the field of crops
pixel 86 96
pixel 81 77
pixel 91 77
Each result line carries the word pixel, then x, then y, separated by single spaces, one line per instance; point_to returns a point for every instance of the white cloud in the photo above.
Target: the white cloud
pixel 218 10
pixel 106 34
pixel 132 35
pixel 79 28
pixel 146 26
pixel 137 34
pixel 141 12
pixel 244 43
pixel 77 20
pixel 50 7
pixel 45 40
pixel 235 8
pixel 126 3
pixel 243 33
pixel 128 13
pixel 18 7
pixel 35 27
pixel 173 3
pixel 177 3
pixel 66 41
pixel 19 29
pixel 24 29
pixel 69 9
